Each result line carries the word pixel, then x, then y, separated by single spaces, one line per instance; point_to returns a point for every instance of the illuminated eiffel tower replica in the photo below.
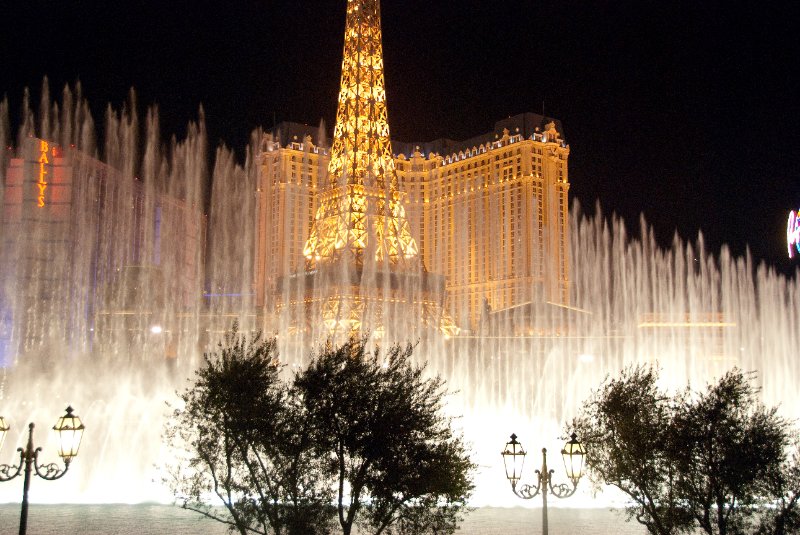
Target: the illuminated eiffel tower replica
pixel 363 270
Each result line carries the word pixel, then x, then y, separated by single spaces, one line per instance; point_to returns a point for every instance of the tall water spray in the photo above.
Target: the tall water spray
pixel 100 282
pixel 109 309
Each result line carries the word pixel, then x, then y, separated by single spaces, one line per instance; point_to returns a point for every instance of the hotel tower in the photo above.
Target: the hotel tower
pixel 463 230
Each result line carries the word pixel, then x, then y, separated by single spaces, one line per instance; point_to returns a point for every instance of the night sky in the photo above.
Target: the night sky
pixel 686 111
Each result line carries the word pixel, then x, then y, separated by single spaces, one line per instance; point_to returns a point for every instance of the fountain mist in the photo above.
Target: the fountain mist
pixel 109 309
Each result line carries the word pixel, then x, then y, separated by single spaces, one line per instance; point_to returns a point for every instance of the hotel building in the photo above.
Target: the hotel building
pixel 489 213
pixel 92 256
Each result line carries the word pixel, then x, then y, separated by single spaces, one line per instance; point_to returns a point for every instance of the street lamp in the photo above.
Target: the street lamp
pixel 3 430
pixel 514 460
pixel 70 431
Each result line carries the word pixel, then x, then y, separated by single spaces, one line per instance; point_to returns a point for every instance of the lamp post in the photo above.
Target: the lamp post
pixel 514 460
pixel 70 431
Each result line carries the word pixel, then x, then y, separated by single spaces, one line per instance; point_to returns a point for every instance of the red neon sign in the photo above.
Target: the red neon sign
pixel 42 182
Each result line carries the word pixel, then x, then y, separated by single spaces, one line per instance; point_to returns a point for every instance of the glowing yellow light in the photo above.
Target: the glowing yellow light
pixel 41 184
pixel 361 212
pixel 687 324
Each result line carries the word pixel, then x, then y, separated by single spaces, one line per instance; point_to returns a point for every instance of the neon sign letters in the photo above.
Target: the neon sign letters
pixel 44 147
pixel 793 233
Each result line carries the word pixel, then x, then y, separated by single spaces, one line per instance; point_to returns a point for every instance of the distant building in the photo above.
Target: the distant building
pixel 293 168
pixel 490 213
pixel 89 255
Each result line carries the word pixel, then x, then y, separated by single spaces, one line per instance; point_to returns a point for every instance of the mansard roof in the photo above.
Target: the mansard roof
pixel 525 124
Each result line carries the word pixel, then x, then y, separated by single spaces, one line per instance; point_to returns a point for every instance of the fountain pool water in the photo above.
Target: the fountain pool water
pixel 103 312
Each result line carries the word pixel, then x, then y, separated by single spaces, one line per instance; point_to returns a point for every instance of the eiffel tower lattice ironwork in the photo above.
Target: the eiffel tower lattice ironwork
pixel 361 226
pixel 361 216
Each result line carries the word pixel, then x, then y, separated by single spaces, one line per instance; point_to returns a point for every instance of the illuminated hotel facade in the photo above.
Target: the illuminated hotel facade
pixel 489 213
pixel 455 229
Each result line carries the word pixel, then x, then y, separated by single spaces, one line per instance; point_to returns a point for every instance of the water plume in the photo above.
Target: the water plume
pixel 110 308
